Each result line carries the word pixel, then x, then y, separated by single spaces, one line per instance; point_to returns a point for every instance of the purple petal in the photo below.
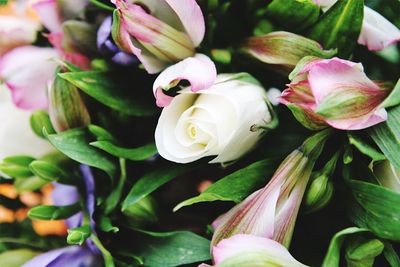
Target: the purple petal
pixel 104 32
pixel 66 195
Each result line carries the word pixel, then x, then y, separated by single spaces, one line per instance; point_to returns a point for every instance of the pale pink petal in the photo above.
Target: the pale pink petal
pixel 26 71
pixel 380 115
pixel 49 14
pixel 327 75
pixel 199 71
pixel 191 17
pixel 377 32
pixel 241 244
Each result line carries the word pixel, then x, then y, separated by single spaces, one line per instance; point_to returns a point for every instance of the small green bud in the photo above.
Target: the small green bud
pixel 40 119
pixel 142 211
pixel 66 107
pixel 17 166
pixel 319 193
pixel 29 184
pixel 361 252
pixel 221 55
pixel 47 212
pixel 47 171
pixel 78 235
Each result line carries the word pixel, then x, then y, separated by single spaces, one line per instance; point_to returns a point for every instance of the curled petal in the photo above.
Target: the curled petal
pixel 191 17
pixel 368 120
pixel 49 14
pixel 199 71
pixel 243 249
pixel 377 32
pixel 26 71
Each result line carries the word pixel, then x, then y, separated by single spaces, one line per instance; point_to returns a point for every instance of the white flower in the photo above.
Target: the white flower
pixel 219 121
pixel 16 135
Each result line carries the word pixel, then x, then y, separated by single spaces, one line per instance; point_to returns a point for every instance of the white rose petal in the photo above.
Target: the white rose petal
pixel 212 122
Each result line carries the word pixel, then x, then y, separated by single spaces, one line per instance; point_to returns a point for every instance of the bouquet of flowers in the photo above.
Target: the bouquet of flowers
pixel 221 133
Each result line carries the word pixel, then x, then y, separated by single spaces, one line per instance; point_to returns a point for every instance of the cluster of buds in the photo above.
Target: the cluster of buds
pixel 267 217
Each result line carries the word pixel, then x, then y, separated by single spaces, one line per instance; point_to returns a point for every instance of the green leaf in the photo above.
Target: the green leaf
pixel 391 255
pixel 376 208
pixel 40 119
pixel 387 136
pixel 47 212
pixel 136 154
pixel 115 196
pixel 74 143
pixel 16 257
pixel 332 257
pixel 173 249
pixel 153 180
pixel 104 223
pixel 394 97
pixel 294 15
pixel 100 86
pixel 236 186
pixel 364 147
pixel 340 26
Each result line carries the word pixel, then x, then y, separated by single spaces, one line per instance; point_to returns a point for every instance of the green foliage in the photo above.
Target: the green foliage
pixel 236 186
pixel 47 212
pixel 340 26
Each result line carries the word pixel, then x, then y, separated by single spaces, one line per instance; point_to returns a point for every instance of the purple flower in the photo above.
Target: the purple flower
pixel 73 256
pixel 107 46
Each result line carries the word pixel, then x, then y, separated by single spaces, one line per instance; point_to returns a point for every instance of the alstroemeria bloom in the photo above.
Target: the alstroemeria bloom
pixel 376 32
pixel 16 135
pixel 334 92
pixel 159 33
pixel 219 121
pixel 18 26
pixel 271 212
pixel 26 71
pixel 198 70
pixel 250 250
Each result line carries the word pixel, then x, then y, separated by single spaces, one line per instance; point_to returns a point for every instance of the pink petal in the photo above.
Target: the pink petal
pixel 26 71
pixel 377 32
pixel 359 123
pixel 191 17
pixel 199 71
pixel 49 14
pixel 242 244
pixel 327 75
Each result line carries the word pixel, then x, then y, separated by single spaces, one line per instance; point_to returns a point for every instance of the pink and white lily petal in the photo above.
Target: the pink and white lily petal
pixel 78 59
pixel 378 116
pixel 15 31
pixel 191 17
pixel 377 32
pixel 49 14
pixel 268 251
pixel 26 71
pixel 325 76
pixel 199 71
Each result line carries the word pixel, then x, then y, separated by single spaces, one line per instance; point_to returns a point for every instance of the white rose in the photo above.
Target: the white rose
pixel 16 135
pixel 218 121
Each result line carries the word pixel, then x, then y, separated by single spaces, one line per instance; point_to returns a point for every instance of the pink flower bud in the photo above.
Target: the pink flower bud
pixel 334 92
pixel 159 33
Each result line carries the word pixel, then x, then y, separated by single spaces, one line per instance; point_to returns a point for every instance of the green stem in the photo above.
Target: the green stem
pixel 108 259
pixel 101 5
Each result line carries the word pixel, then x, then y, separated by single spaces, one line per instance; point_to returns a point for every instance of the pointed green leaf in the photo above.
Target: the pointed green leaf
pixel 136 154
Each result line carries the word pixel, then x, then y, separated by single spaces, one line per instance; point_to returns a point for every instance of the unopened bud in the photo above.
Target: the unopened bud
pixel 362 253
pixel 67 109
pixel 319 193
pixel 78 235
pixel 40 119
pixel 284 48
pixel 17 166
pixel 49 172
pixel 79 36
